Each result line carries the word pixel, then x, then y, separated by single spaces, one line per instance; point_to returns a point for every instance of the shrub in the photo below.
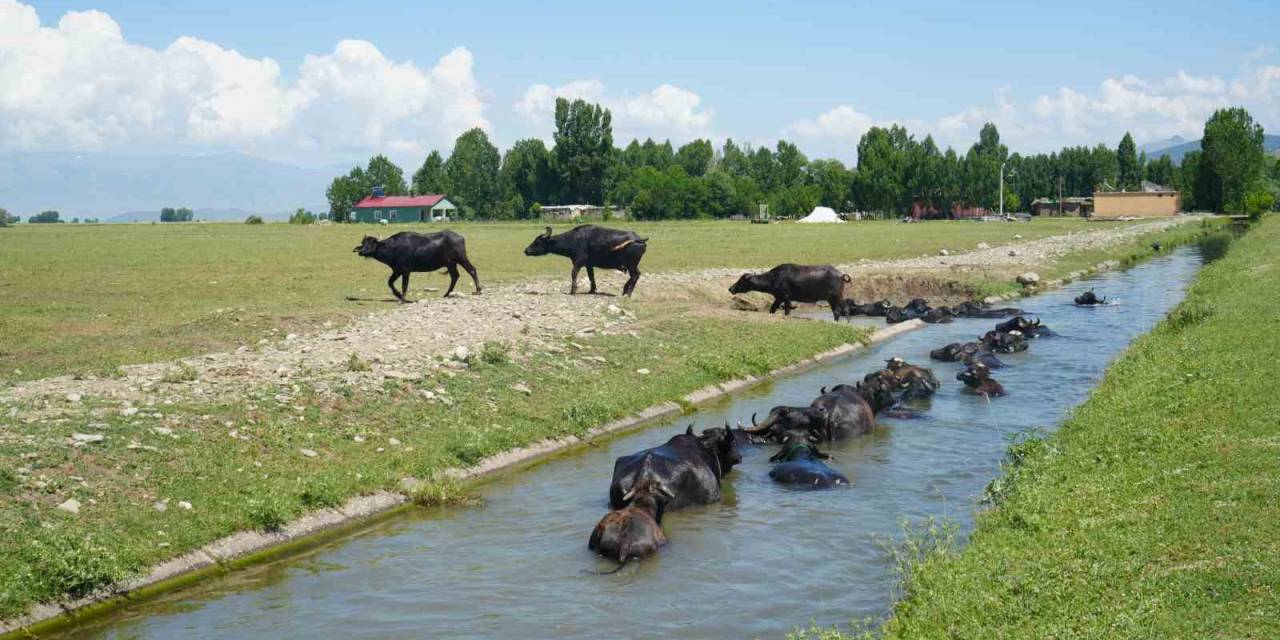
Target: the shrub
pixel 266 515
pixel 184 373
pixel 302 216
pixel 495 352
pixel 1257 202
pixel 354 363
pixel 254 219
pixel 319 493
pixel 442 493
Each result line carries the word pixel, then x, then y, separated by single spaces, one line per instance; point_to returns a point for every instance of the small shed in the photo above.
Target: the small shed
pixel 393 209
pixel 580 212
pixel 1082 207
pixel 1153 201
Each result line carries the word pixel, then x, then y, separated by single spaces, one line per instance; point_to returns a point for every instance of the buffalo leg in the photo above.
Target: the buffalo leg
pixel 630 286
pixel 836 305
pixel 591 277
pixel 453 279
pixel 786 307
pixel 777 302
pixel 391 282
pixel 404 286
pixel 471 271
pixel 573 279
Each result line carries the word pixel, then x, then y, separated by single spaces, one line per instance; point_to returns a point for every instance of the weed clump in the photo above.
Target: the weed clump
pixel 266 515
pixel 184 373
pixel 355 363
pixel 495 353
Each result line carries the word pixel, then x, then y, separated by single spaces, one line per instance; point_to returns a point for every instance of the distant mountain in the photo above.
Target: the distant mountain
pixel 1270 144
pixel 1160 145
pixel 104 185
pixel 208 215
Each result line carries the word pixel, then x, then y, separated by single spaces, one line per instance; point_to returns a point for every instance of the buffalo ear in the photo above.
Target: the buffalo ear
pixel 548 233
pixel 689 431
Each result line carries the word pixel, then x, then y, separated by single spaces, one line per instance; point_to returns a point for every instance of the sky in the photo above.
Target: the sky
pixel 318 83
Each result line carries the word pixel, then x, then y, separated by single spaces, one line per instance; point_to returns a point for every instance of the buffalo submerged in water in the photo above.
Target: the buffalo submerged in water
pixel 633 531
pixel 800 463
pixel 689 465
pixel 844 411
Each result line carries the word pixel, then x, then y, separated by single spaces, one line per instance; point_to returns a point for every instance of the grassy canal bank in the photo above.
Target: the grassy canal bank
pixel 1154 512
pixel 170 478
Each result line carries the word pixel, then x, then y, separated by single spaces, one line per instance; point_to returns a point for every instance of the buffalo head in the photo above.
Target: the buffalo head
pixel 743 285
pixel 783 420
pixel 540 246
pixel 368 247
pixel 720 443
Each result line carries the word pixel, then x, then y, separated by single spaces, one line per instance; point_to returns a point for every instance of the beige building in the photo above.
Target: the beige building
pixel 1153 201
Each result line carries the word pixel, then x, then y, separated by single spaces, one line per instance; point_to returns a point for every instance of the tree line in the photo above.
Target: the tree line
pixel 894 173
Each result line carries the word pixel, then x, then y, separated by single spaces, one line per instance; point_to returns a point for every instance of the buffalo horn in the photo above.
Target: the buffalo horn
pixel 631 493
pixel 548 233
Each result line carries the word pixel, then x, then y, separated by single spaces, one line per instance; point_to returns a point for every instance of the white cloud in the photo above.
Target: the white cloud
pixel 667 111
pixel 1151 110
pixel 82 86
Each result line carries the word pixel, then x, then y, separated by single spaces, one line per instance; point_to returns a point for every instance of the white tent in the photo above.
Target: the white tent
pixel 821 214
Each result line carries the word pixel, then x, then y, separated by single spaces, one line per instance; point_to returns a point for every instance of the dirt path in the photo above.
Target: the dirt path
pixel 410 340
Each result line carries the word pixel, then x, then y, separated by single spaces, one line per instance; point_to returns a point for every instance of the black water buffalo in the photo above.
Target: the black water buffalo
pixel 789 283
pixel 968 353
pixel 1089 298
pixel 407 251
pixel 894 315
pixel 971 309
pixel 689 465
pixel 800 463
pixel 937 315
pixel 915 382
pixel 841 412
pixel 850 307
pixel 1004 342
pixel 591 246
pixel 1028 328
pixel 977 380
pixel 634 531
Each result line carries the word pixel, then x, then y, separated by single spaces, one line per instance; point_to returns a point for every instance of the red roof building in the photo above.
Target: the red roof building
pixel 389 209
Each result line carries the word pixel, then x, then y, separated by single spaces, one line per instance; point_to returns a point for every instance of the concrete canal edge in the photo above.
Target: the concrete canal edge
pixel 246 548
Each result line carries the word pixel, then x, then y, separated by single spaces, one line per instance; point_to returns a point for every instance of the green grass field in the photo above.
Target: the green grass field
pixel 88 298
pixel 1155 511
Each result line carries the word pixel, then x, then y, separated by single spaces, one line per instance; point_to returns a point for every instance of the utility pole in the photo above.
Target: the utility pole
pixel 1060 211
pixel 1002 189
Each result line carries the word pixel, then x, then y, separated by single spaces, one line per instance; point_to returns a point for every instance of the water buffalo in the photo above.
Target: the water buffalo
pixel 977 379
pixel 916 382
pixel 841 412
pixel 689 465
pixel 894 315
pixel 1089 298
pixel 1004 342
pixel 407 251
pixel 789 283
pixel 968 353
pixel 971 309
pixel 937 315
pixel 801 463
pixel 633 531
pixel 591 246
pixel 1028 328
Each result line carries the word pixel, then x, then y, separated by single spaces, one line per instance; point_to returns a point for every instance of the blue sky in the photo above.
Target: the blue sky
pixel 816 72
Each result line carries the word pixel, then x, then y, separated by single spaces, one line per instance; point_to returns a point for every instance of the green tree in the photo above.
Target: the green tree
pixel 832 181
pixel 583 149
pixel 302 216
pixel 45 217
pixel 1233 157
pixel 696 157
pixel 6 219
pixel 344 192
pixel 473 171
pixel 878 183
pixel 1160 171
pixel 526 168
pixel 384 173
pixel 167 214
pixel 430 177
pixel 1130 172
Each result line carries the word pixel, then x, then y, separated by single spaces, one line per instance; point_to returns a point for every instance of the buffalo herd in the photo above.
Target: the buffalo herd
pixel 585 245
pixel 689 468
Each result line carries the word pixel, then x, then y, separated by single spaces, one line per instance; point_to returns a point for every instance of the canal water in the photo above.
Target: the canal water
pixel 765 561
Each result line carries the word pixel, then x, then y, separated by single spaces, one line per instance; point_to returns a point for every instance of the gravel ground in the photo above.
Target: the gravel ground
pixel 409 340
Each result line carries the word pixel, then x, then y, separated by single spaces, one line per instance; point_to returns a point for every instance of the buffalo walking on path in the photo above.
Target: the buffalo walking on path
pixel 591 246
pixel 407 251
